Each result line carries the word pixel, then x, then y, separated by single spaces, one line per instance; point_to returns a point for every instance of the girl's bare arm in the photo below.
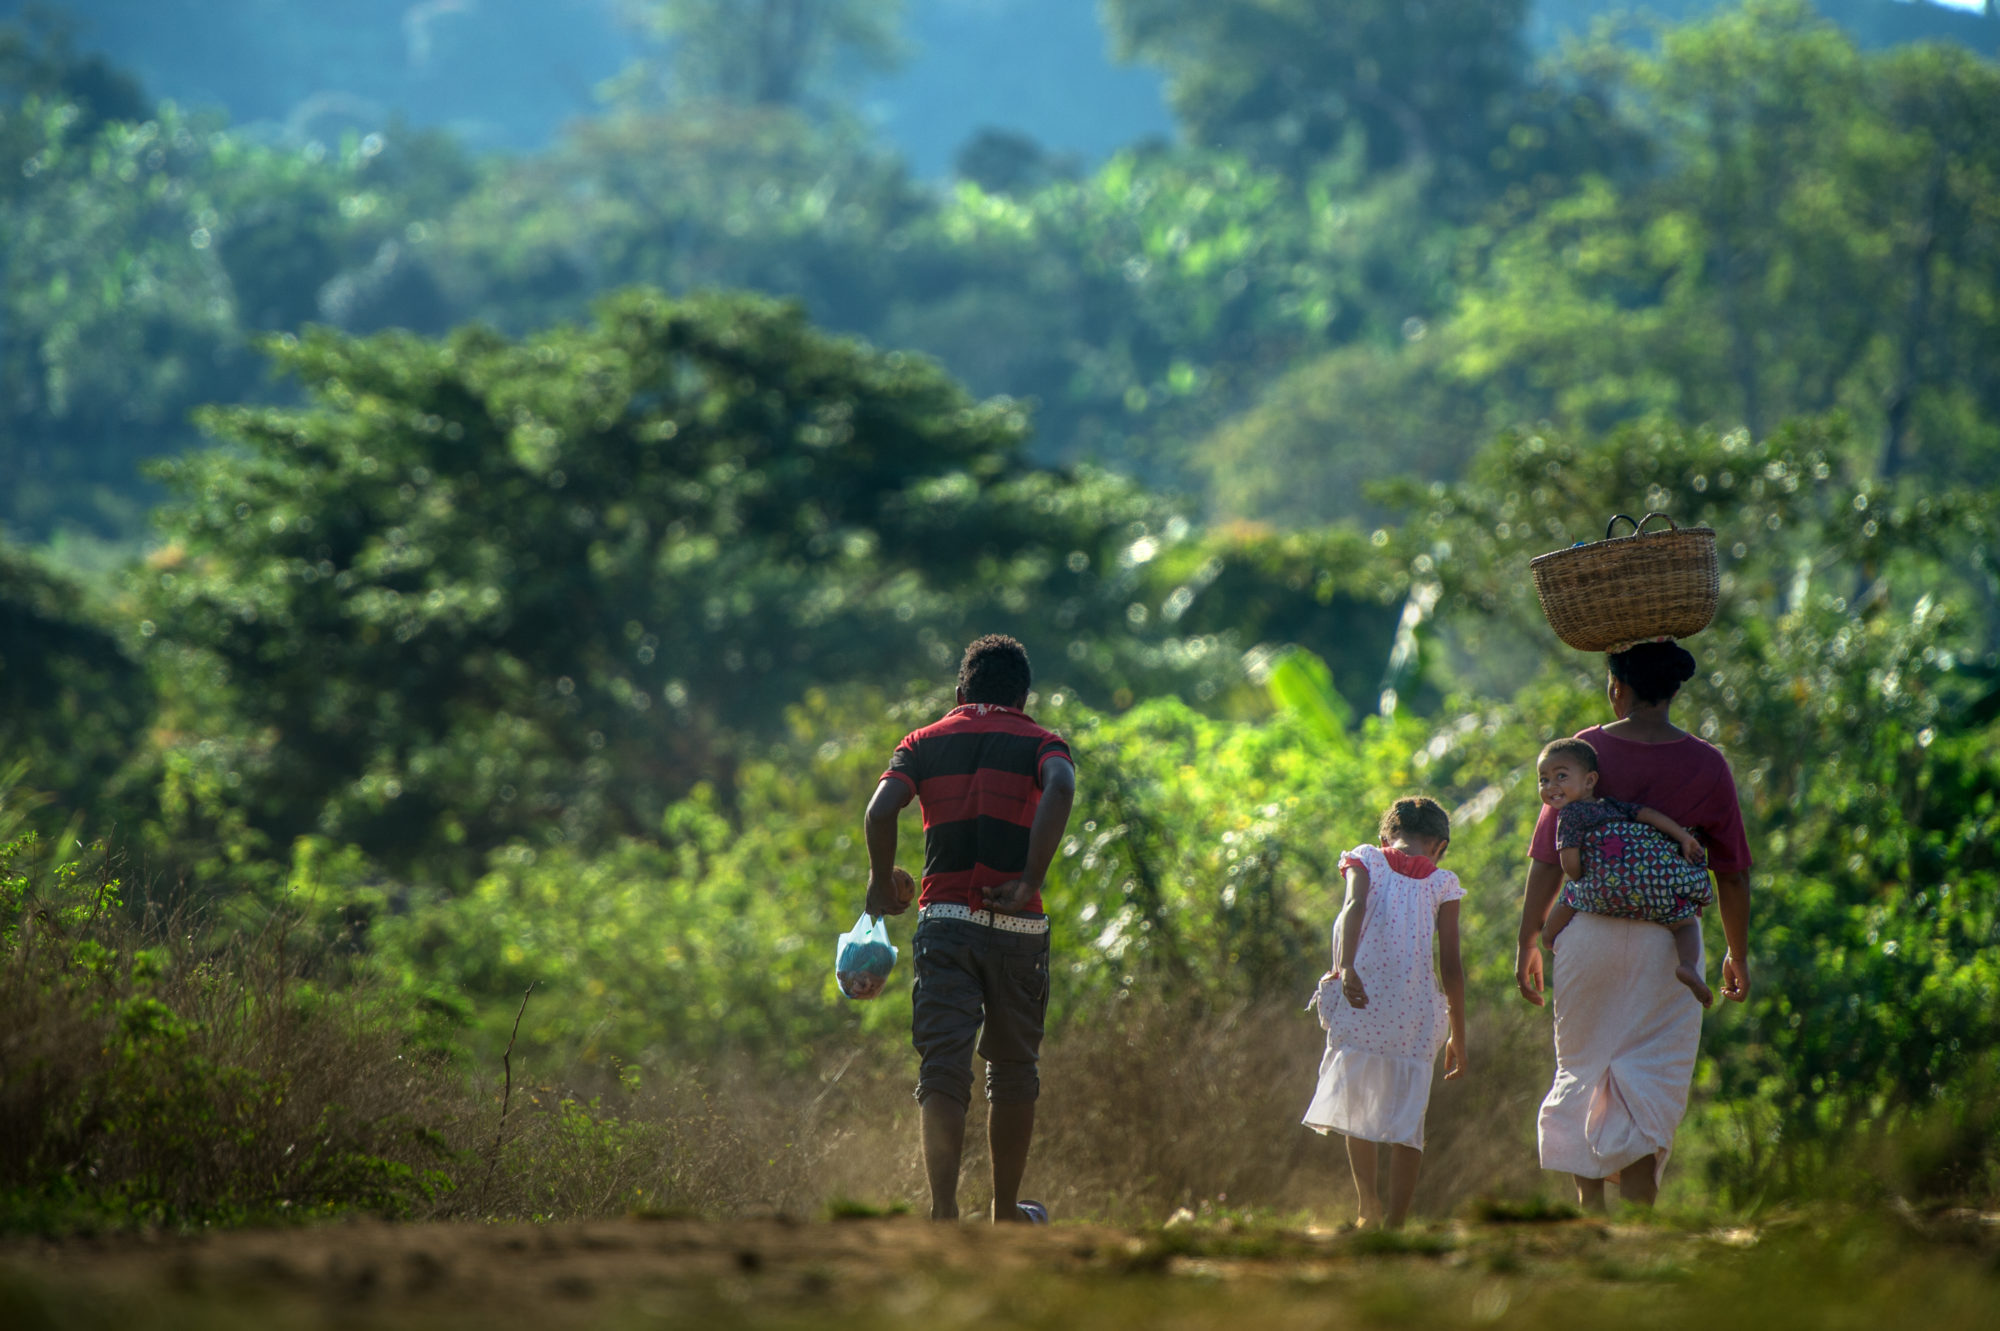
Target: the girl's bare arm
pixel 1451 970
pixel 1353 913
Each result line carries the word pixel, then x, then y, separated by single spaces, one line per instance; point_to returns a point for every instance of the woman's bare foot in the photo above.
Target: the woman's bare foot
pixel 1691 977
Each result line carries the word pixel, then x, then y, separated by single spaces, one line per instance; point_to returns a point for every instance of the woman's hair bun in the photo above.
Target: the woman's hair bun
pixel 1654 671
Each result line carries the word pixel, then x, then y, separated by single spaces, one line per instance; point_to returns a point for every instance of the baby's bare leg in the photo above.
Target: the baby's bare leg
pixel 1687 950
pixel 1559 917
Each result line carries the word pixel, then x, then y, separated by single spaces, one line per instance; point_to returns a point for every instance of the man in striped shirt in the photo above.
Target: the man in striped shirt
pixel 996 791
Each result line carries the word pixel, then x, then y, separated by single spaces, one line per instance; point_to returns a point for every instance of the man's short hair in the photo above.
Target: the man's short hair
pixel 1570 748
pixel 1416 818
pixel 995 670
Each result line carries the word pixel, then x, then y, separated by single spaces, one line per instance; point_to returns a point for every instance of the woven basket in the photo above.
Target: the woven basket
pixel 1610 594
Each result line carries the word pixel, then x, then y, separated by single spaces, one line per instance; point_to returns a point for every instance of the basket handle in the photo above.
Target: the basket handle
pixel 1640 525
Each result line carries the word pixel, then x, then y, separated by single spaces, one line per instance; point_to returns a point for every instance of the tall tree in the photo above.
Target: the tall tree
pixel 1944 389
pixel 485 589
pixel 786 53
pixel 73 704
pixel 1815 231
pixel 141 243
pixel 1288 80
pixel 1820 237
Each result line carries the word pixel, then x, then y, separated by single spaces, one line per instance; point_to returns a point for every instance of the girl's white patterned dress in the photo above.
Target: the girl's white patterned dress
pixel 1375 1078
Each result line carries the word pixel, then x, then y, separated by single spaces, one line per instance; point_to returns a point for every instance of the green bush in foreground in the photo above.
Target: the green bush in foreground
pixel 160 1072
pixel 147 1082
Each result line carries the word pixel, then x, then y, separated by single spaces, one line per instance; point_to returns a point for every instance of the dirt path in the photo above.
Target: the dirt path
pixel 892 1274
pixel 544 1275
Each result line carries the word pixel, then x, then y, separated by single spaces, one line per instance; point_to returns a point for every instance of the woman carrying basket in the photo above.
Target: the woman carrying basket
pixel 1626 1030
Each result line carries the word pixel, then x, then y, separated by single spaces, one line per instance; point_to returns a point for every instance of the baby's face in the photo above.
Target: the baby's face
pixel 1563 779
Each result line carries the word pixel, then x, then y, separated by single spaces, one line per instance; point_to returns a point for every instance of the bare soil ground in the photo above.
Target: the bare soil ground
pixel 1820 1271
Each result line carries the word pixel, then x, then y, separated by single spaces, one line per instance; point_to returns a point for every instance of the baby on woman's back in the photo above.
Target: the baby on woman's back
pixel 1623 859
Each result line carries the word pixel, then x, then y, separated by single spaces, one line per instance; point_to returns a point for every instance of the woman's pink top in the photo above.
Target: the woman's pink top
pixel 1688 780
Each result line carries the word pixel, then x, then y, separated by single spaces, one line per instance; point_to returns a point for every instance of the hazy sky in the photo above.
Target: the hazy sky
pixel 508 74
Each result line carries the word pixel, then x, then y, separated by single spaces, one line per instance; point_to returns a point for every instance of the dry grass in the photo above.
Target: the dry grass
pixel 1149 1109
pixel 1145 1109
pixel 158 1070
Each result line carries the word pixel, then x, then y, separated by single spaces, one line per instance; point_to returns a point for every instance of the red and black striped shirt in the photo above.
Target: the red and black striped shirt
pixel 978 775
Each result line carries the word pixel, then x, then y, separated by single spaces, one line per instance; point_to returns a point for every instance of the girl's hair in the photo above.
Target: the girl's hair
pixel 1578 749
pixel 1653 670
pixel 1416 818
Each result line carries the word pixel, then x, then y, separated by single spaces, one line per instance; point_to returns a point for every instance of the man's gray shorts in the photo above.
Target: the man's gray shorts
pixel 983 984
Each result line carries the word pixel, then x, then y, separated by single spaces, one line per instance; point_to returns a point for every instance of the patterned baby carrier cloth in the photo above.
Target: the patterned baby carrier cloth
pixel 1630 870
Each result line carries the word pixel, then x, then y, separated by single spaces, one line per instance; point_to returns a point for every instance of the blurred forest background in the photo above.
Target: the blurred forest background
pixel 486 484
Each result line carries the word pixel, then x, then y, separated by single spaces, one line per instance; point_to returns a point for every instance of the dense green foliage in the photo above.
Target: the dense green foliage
pixel 73 703
pixel 483 587
pixel 1817 236
pixel 163 1075
pixel 1133 307
pixel 1799 176
pixel 145 1087
pixel 143 252
pixel 528 630
pixel 1201 856
pixel 1413 239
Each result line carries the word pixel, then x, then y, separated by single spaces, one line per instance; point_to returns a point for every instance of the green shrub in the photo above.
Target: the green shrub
pixel 147 1079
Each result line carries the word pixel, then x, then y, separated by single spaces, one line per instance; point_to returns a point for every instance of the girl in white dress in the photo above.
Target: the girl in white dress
pixel 1388 1016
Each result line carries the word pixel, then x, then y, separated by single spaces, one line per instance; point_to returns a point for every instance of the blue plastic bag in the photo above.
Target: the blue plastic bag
pixel 863 958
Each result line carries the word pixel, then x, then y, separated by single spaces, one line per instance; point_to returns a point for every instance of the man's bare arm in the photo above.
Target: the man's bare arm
pixel 878 827
pixel 1044 836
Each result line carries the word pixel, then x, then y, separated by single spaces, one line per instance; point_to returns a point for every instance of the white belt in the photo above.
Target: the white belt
pixel 1013 924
